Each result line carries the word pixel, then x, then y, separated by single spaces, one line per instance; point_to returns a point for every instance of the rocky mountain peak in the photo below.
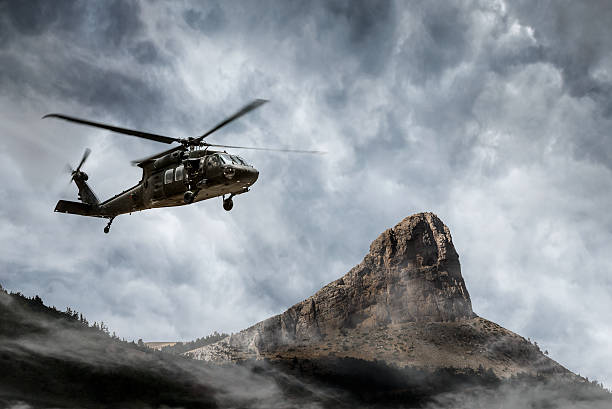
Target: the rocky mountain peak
pixel 406 303
pixel 412 273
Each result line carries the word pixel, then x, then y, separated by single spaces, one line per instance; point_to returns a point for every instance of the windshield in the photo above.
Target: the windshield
pixel 232 159
pixel 225 158
pixel 239 160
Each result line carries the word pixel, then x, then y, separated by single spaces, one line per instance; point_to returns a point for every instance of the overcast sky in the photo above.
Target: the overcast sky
pixel 494 115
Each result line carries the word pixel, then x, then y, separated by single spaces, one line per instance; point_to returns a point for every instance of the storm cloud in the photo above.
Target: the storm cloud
pixel 494 115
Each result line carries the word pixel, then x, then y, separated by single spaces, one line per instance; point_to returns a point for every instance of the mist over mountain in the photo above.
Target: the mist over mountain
pixel 53 359
pixel 398 330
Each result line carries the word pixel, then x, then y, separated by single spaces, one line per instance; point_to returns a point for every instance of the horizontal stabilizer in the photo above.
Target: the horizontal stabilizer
pixel 82 209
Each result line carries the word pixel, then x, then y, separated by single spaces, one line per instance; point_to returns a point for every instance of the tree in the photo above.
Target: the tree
pixel 104 328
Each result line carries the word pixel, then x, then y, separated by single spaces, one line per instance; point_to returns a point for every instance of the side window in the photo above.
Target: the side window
pixel 178 174
pixel 168 176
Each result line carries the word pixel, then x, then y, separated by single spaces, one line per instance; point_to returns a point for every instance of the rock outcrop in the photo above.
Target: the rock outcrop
pixel 411 274
pixel 406 303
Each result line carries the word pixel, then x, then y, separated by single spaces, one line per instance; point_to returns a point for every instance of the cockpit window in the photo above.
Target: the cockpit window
pixel 232 159
pixel 239 160
pixel 227 159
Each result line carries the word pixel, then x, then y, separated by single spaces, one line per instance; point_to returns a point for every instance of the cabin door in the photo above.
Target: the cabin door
pixel 157 186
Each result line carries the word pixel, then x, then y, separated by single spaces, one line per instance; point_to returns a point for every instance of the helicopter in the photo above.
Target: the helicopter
pixel 187 173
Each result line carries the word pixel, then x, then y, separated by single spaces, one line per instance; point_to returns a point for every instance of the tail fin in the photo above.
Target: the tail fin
pixel 82 209
pixel 86 195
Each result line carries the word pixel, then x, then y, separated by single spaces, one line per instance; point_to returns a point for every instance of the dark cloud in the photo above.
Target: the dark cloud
pixel 370 27
pixel 573 38
pixel 506 60
pixel 33 18
pixel 438 40
pixel 117 22
pixel 146 52
pixel 86 79
pixel 574 35
pixel 101 25
pixel 127 97
pixel 208 22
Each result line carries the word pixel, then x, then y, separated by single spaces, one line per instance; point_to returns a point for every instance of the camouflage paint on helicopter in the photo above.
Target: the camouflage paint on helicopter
pixel 179 176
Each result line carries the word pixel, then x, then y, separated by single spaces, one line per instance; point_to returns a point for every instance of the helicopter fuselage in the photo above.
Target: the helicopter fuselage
pixel 176 179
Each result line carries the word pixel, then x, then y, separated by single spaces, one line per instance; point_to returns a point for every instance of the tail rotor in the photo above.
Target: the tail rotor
pixel 76 173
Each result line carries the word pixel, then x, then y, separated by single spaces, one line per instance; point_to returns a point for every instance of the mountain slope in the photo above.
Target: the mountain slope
pixel 53 359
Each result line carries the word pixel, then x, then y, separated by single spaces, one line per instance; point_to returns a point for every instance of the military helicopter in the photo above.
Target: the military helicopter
pixel 187 173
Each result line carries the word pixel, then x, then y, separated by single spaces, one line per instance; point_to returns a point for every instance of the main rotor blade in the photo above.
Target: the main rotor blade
pixel 83 159
pixel 264 149
pixel 157 155
pixel 132 132
pixel 244 110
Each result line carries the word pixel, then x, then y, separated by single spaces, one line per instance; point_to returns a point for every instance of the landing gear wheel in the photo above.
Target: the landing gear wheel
pixel 188 197
pixel 107 228
pixel 228 204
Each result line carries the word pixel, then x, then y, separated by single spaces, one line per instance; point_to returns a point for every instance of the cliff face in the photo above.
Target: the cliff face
pixel 411 274
pixel 406 303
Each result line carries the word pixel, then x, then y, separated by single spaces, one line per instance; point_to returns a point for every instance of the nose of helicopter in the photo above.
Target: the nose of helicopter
pixel 247 176
pixel 252 175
